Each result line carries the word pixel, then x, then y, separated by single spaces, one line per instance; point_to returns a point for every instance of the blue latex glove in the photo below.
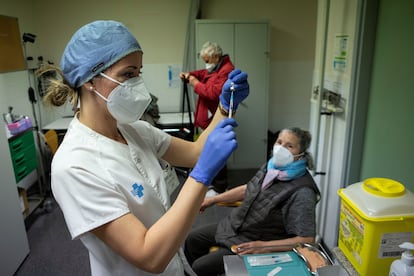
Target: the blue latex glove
pixel 241 86
pixel 220 143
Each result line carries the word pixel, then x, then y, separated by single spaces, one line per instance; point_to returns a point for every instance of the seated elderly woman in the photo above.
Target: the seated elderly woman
pixel 277 212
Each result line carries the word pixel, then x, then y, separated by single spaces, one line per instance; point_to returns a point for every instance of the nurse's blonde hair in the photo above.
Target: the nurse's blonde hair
pixel 58 91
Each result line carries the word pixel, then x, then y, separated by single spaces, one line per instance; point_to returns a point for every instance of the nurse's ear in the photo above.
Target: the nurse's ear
pixel 89 86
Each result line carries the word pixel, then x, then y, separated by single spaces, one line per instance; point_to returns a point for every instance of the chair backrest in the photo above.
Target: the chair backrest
pixel 51 139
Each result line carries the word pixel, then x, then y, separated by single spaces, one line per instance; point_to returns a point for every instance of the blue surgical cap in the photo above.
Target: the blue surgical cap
pixel 95 47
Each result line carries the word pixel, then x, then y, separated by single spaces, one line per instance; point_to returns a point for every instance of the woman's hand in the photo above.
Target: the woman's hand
pixel 259 247
pixel 184 75
pixel 238 80
pixel 253 247
pixel 220 144
pixel 209 201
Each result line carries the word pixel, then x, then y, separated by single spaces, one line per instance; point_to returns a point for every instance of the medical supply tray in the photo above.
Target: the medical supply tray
pixel 294 267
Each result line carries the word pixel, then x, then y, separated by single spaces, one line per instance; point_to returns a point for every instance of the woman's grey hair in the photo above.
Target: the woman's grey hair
pixel 305 139
pixel 211 49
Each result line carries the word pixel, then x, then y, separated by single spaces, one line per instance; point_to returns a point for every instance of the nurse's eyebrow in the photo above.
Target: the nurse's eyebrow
pixel 132 67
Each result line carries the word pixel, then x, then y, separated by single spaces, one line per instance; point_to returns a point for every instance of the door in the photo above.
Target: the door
pixel 222 33
pixel 342 69
pixel 14 246
pixel 251 51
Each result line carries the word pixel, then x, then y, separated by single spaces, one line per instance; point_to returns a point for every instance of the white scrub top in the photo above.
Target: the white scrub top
pixel 96 180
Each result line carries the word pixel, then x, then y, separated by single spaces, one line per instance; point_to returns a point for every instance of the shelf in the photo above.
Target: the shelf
pixel 28 180
pixel 33 203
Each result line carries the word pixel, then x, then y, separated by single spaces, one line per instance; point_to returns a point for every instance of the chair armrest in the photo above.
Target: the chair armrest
pixel 229 204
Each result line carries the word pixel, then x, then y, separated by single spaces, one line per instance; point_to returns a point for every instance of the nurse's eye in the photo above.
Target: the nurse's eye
pixel 129 75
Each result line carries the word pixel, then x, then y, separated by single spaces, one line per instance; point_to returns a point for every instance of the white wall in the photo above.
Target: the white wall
pixel 160 27
pixel 390 109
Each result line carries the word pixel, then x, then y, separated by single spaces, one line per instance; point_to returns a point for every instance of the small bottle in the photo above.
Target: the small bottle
pixel 405 266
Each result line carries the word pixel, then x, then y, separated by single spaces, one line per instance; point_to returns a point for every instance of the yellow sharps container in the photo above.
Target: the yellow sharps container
pixel 376 216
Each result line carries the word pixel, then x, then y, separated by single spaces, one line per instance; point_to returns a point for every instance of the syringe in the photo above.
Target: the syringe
pixel 232 89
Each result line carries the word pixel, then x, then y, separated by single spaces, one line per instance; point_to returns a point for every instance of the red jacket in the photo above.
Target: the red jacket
pixel 209 90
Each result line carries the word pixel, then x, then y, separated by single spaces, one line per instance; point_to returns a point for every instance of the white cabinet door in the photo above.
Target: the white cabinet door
pixel 222 33
pixel 14 246
pixel 247 44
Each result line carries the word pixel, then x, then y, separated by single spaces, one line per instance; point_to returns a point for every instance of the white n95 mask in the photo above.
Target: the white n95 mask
pixel 128 101
pixel 281 156
pixel 210 66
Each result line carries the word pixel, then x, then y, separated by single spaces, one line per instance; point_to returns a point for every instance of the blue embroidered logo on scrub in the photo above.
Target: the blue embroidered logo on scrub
pixel 137 190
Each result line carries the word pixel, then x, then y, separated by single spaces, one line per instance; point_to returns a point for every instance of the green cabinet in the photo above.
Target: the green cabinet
pixel 23 153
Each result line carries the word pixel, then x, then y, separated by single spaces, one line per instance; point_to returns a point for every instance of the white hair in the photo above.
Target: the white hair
pixel 211 49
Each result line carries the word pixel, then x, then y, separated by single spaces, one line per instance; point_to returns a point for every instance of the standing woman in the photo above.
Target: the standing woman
pixel 207 84
pixel 106 174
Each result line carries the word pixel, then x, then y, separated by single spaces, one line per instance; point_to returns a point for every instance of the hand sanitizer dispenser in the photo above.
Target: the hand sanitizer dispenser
pixel 405 266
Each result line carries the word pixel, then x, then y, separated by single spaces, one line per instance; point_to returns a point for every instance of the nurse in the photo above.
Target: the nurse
pixel 106 174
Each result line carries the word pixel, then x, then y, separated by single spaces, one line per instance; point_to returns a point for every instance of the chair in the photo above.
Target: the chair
pixel 229 204
pixel 225 204
pixel 237 204
pixel 51 139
